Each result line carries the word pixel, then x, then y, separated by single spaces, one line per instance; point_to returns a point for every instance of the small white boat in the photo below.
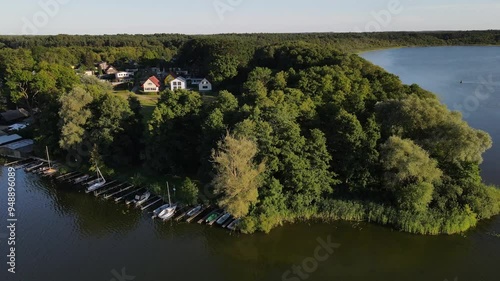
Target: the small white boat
pixel 140 199
pixel 193 211
pixel 97 183
pixel 223 219
pixel 159 210
pixel 234 224
pixel 96 186
pixel 81 179
pixel 169 212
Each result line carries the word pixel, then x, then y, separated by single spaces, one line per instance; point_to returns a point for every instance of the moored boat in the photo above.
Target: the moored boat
pixel 234 224
pixel 169 212
pixel 98 183
pixel 159 210
pixel 223 219
pixel 212 217
pixel 193 211
pixel 80 179
pixel 143 198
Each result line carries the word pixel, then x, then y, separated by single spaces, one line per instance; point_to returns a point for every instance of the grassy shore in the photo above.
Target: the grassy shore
pixel 148 102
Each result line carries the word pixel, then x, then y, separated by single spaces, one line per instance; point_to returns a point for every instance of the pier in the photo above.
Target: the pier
pixel 147 205
pixel 116 190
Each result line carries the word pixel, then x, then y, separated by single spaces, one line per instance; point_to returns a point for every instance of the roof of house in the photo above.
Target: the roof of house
pixel 179 79
pixel 9 138
pixel 154 80
pixel 12 115
pixel 19 144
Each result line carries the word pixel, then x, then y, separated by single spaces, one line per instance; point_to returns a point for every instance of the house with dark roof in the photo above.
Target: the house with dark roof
pixel 12 116
pixel 152 85
pixel 111 70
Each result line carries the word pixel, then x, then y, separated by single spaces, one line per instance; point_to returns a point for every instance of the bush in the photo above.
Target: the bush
pixel 189 192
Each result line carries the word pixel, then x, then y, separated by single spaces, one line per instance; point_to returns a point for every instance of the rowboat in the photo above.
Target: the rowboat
pixel 212 217
pixel 193 211
pixel 223 219
pixel 139 200
pixel 234 224
pixel 159 210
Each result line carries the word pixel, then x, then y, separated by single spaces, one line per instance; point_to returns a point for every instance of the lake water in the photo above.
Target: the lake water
pixel 66 235
pixel 440 70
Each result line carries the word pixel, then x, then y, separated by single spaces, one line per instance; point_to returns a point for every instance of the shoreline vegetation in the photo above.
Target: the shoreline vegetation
pixel 300 127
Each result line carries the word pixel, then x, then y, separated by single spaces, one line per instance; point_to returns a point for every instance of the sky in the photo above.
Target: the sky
pixel 243 16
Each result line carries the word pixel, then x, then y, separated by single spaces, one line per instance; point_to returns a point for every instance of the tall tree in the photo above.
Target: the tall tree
pixel 410 174
pixel 74 114
pixel 237 177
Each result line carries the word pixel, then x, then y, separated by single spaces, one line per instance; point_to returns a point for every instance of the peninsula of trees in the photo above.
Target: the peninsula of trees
pixel 299 127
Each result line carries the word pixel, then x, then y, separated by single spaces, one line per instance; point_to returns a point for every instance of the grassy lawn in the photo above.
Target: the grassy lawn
pixel 148 102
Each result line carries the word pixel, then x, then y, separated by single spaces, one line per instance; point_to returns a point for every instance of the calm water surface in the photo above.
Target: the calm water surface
pixel 66 235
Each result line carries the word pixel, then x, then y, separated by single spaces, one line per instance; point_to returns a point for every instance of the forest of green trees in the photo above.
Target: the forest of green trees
pixel 300 128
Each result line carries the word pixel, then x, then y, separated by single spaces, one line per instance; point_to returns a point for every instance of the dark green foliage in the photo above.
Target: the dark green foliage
pixel 174 133
pixel 340 138
pixel 188 192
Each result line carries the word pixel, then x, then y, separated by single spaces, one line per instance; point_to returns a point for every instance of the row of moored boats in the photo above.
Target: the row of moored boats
pixel 131 195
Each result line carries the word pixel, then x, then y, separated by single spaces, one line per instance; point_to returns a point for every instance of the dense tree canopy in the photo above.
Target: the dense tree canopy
pixel 340 137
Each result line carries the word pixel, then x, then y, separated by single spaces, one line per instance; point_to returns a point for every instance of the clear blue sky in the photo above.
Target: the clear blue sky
pixel 201 16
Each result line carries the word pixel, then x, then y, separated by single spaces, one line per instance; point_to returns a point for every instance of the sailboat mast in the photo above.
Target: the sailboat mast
pixel 48 158
pixel 168 190
pixel 99 174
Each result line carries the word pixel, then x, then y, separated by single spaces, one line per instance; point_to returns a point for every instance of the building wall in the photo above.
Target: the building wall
pixel 177 84
pixel 205 86
pixel 150 87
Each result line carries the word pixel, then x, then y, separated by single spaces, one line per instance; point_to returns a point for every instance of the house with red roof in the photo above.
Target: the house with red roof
pixel 152 85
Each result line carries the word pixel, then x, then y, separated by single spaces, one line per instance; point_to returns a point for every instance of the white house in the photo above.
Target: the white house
pixel 123 75
pixel 178 83
pixel 89 73
pixel 205 85
pixel 152 85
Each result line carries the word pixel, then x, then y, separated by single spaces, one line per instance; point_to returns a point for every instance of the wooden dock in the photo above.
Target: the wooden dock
pixel 197 214
pixel 35 166
pixel 200 221
pixel 148 205
pixel 15 162
pixel 90 181
pixel 128 186
pixel 71 177
pixel 64 175
pixel 119 191
pixel 118 199
pixel 182 213
pixel 80 179
pixel 228 222
pixel 104 188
